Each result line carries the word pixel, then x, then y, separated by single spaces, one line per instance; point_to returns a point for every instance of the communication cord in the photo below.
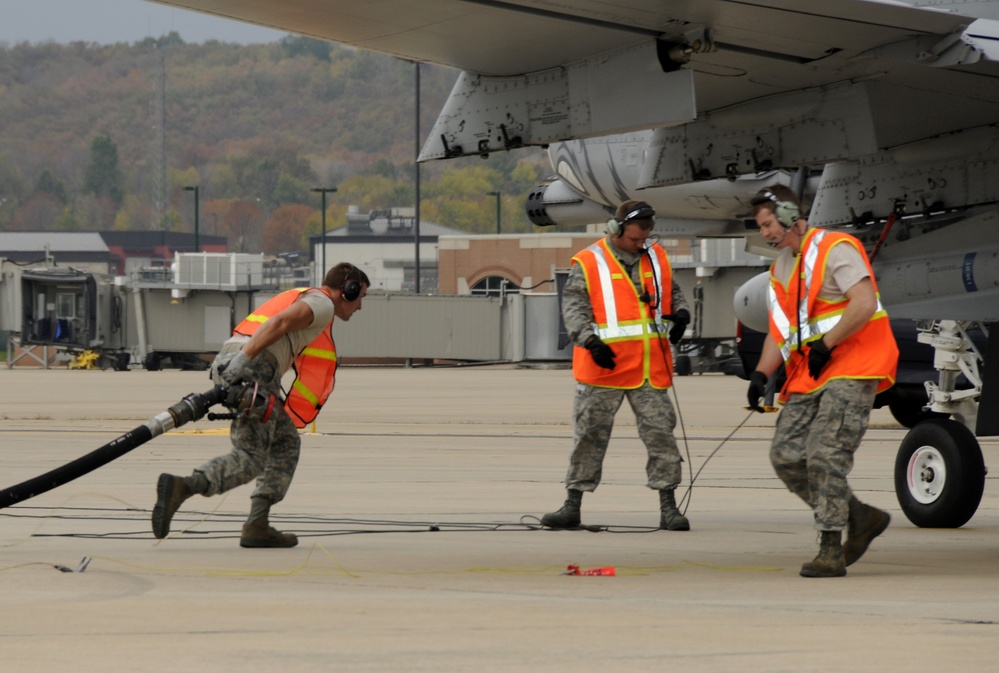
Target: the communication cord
pixel 685 500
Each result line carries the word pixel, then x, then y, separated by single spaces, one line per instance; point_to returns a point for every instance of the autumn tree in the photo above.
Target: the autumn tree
pixel 294 46
pixel 94 212
pixel 213 215
pixel 48 184
pixel 261 123
pixel 374 192
pixel 135 214
pixel 270 171
pixel 285 230
pixel 460 199
pixel 244 225
pixel 38 212
pixel 290 189
pixel 103 177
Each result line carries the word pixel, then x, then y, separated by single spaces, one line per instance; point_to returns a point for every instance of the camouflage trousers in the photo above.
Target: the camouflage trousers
pixel 813 446
pixel 266 451
pixel 593 412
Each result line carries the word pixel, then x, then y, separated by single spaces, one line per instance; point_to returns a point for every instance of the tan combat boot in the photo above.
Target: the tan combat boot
pixel 865 524
pixel 171 491
pixel 829 562
pixel 258 533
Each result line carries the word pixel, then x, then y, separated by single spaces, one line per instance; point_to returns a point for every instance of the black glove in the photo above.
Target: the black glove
pixel 818 357
pixel 602 354
pixel 757 389
pixel 680 320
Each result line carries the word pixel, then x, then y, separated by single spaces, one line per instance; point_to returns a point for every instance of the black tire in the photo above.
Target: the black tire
pixel 939 474
pixel 682 366
pixel 153 362
pixel 121 362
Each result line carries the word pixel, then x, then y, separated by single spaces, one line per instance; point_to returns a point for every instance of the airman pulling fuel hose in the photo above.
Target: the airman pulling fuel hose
pixel 191 408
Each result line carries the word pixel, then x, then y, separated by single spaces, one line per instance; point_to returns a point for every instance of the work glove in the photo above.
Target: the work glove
pixel 680 320
pixel 601 353
pixel 818 357
pixel 757 390
pixel 234 371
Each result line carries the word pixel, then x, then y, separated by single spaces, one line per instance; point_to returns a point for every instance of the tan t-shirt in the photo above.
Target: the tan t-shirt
pixel 285 348
pixel 844 269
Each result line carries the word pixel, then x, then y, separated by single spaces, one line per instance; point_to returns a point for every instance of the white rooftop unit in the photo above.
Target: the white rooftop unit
pixel 218 271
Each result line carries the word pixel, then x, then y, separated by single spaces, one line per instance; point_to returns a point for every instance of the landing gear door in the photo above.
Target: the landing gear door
pixel 988 421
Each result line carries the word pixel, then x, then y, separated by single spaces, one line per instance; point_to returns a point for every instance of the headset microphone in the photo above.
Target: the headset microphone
pixel 783 235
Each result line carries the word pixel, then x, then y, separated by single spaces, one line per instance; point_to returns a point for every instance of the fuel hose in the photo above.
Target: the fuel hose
pixel 191 408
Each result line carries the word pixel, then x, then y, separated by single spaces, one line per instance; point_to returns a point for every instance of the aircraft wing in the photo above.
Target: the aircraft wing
pixel 515 37
pixel 542 71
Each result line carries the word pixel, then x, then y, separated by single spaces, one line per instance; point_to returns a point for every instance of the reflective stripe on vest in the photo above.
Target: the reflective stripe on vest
pixel 267 310
pixel 613 329
pixel 315 369
pixel 805 268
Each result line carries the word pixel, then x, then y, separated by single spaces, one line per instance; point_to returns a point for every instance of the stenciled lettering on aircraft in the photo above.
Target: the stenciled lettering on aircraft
pixel 968 272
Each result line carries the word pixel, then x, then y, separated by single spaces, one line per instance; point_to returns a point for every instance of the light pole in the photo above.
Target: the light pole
pixel 324 191
pixel 416 177
pixel 497 195
pixel 197 246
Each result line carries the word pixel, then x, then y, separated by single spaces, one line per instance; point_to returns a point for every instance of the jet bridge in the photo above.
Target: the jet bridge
pixel 70 310
pixel 158 317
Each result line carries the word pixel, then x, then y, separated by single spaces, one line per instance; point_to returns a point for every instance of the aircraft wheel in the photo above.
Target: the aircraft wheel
pixel 939 474
pixel 683 365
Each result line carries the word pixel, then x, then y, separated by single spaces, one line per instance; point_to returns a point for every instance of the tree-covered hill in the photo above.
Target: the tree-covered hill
pixel 107 137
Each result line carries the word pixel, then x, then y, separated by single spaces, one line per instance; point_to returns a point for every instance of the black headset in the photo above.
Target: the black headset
pixel 351 289
pixel 641 211
pixel 786 212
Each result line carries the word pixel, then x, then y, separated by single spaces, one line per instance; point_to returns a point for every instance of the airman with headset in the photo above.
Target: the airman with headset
pixel 618 300
pixel 831 333
pixel 293 329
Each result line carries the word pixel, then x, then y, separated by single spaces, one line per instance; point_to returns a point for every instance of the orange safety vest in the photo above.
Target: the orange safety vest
pixel 799 315
pixel 631 327
pixel 315 365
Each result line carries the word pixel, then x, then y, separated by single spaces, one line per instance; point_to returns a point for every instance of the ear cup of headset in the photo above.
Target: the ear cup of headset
pixel 351 289
pixel 613 227
pixel 787 213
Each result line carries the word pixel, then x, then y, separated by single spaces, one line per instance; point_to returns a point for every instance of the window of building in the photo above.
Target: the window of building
pixel 495 286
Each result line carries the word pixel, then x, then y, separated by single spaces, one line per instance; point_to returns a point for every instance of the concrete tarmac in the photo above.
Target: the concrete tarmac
pixel 416 501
